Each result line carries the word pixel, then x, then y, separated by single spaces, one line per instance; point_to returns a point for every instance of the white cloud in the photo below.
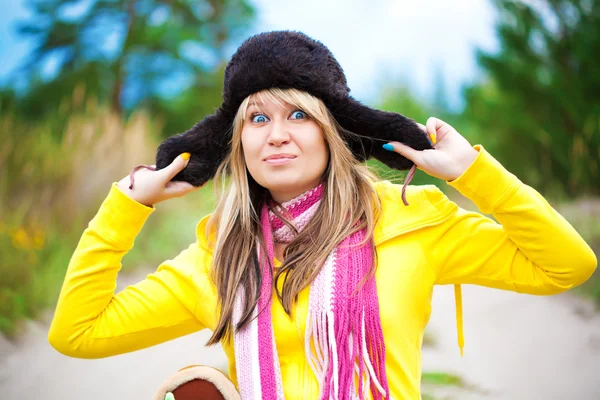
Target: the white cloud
pixel 408 39
pixel 373 40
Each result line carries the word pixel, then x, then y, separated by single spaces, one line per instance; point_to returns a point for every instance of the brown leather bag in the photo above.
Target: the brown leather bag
pixel 197 382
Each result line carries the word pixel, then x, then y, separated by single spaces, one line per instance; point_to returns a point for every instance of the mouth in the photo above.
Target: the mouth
pixel 280 159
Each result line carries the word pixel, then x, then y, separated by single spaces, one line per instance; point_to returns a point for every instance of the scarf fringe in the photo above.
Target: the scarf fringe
pixel 343 339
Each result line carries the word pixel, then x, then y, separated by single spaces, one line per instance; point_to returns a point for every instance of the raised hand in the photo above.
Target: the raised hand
pixel 152 187
pixel 451 156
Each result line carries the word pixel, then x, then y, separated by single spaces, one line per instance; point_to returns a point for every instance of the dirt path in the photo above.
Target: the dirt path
pixel 517 347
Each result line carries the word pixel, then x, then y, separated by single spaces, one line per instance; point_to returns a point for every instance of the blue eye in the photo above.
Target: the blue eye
pixel 298 115
pixel 259 118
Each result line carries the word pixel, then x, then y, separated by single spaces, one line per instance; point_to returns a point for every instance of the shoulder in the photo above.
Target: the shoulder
pixel 420 195
pixel 206 234
pixel 427 204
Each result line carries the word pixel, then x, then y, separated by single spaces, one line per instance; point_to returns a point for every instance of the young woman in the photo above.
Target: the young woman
pixel 315 276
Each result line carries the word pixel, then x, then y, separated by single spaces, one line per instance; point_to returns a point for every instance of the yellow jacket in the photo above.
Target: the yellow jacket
pixel 432 241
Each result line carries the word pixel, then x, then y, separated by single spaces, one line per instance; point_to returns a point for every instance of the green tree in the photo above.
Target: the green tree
pixel 540 105
pixel 129 53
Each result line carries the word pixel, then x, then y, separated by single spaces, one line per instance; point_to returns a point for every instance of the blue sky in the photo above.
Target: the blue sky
pixel 12 49
pixel 376 41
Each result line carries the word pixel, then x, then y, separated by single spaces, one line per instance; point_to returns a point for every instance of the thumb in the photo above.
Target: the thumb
pixel 406 151
pixel 178 164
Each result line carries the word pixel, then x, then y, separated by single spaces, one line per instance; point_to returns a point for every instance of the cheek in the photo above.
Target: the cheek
pixel 319 150
pixel 250 147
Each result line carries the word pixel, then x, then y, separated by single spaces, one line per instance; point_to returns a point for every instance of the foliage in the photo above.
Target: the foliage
pixel 66 137
pixel 398 98
pixel 540 105
pixel 131 54
pixel 52 185
pixel 132 72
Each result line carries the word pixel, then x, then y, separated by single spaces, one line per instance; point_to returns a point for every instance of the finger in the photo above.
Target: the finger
pixel 439 127
pixel 431 129
pixel 407 151
pixel 178 164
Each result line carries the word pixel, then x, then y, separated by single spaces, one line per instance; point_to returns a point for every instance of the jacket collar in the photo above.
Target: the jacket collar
pixel 428 206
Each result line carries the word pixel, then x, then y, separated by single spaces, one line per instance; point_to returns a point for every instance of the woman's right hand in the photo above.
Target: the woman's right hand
pixel 152 187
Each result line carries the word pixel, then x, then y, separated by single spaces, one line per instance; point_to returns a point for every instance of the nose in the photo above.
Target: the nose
pixel 278 135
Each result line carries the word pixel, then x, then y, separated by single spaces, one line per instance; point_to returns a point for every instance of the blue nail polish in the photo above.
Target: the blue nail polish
pixel 388 147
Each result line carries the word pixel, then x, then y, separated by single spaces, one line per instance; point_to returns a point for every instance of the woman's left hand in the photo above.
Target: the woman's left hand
pixel 452 153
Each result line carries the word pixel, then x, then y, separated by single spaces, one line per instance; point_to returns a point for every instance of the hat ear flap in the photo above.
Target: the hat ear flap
pixel 197 382
pixel 368 129
pixel 208 143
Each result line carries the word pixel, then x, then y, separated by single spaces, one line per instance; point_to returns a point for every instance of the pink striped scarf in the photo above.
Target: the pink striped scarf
pixel 343 340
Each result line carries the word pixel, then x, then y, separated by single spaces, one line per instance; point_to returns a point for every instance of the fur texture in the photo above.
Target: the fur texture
pixel 288 59
pixel 184 376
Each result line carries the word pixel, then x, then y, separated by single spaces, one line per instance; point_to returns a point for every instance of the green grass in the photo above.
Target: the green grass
pixel 30 278
pixel 429 339
pixel 30 275
pixel 441 379
pixel 170 229
pixel 431 380
pixel 584 215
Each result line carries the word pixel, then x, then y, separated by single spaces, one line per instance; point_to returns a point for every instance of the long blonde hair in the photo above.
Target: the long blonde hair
pixel 349 197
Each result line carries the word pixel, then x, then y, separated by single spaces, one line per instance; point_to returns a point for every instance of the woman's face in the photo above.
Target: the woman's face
pixel 284 149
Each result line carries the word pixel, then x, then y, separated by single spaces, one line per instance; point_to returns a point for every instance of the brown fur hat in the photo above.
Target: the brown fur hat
pixel 287 59
pixel 197 382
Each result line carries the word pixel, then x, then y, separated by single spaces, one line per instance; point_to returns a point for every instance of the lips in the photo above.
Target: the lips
pixel 279 156
pixel 279 159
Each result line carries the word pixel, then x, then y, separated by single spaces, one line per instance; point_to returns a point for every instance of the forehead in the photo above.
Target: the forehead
pixel 266 102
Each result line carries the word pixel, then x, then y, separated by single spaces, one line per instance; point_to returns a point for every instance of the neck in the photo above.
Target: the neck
pixel 283 196
pixel 298 211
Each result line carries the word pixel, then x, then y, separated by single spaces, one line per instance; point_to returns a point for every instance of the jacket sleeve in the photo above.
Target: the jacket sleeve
pixel 531 249
pixel 91 321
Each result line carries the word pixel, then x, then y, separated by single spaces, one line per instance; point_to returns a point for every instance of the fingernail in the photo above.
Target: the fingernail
pixel 432 138
pixel 186 156
pixel 169 396
pixel 388 147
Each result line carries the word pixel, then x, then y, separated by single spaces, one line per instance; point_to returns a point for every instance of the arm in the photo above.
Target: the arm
pixel 532 249
pixel 91 321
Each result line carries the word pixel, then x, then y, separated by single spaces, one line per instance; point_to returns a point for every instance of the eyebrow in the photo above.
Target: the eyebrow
pixel 258 105
pixel 252 105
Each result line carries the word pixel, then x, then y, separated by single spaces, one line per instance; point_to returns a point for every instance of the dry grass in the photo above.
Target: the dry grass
pixel 51 185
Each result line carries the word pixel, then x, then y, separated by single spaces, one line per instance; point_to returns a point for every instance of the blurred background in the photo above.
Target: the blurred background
pixel 88 88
